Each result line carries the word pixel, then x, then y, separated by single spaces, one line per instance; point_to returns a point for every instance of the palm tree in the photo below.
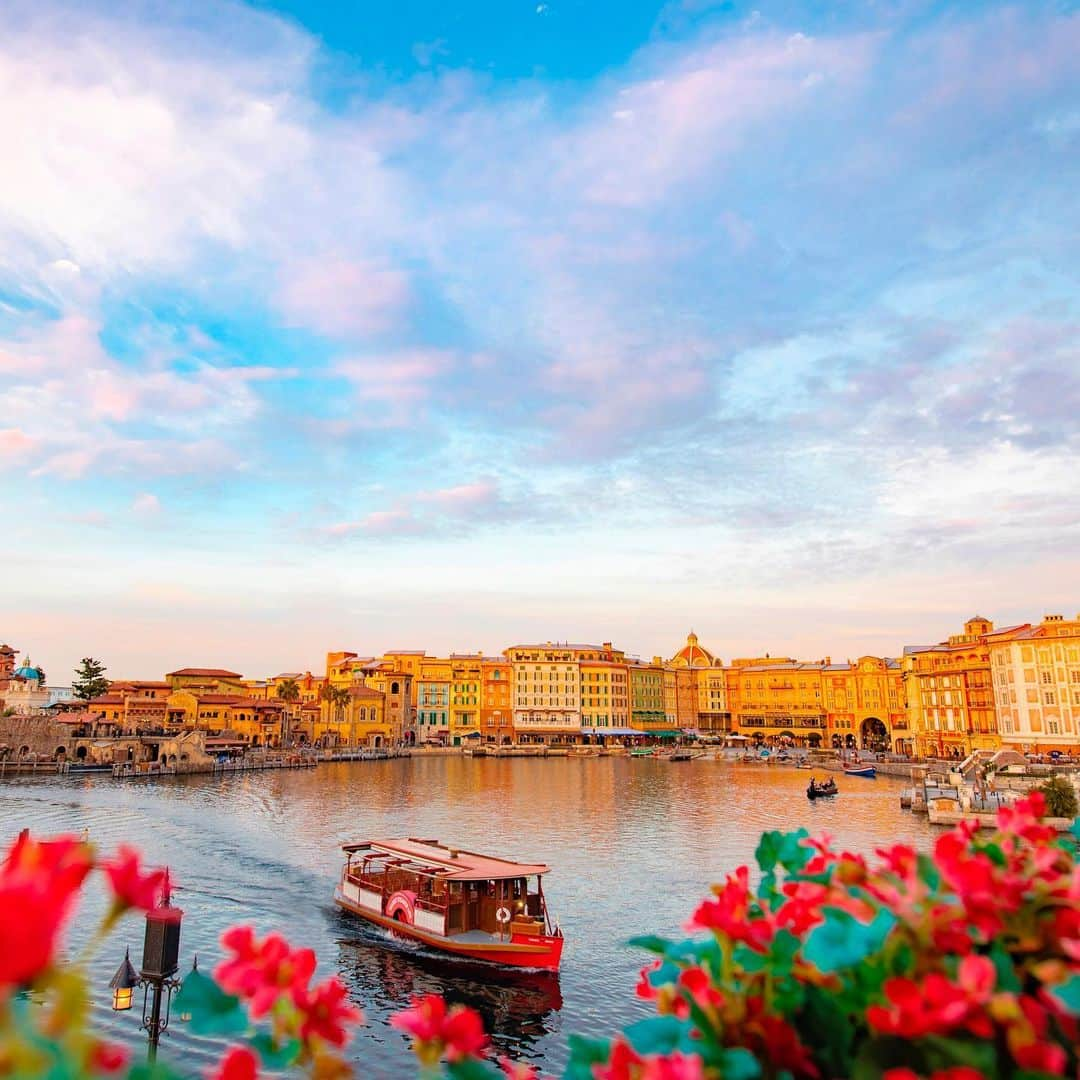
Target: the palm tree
pixel 341 700
pixel 288 691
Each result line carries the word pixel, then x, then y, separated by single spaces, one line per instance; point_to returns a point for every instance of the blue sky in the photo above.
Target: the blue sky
pixel 447 325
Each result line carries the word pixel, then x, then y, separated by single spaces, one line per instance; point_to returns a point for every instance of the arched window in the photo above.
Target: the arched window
pixel 393 688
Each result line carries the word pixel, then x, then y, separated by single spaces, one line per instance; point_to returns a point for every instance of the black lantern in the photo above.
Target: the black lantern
pixel 123 985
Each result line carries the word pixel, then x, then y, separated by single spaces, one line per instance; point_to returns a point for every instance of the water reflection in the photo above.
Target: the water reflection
pixel 632 844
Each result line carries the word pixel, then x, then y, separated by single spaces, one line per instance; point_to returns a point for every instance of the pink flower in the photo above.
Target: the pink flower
pixel 626 1064
pixel 262 972
pixel 131 887
pixel 456 1033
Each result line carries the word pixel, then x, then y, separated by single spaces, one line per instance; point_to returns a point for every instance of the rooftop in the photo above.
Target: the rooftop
pixel 218 673
pixel 449 863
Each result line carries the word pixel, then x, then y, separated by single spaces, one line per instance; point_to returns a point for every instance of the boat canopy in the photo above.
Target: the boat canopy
pixel 450 864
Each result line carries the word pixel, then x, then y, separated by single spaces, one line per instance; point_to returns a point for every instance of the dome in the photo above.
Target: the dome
pixel 694 655
pixel 29 672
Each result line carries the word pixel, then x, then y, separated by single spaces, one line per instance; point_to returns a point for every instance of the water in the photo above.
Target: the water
pixel 633 844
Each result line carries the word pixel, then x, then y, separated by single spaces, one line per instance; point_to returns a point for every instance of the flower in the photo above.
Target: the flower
pixel 238 1064
pixel 106 1058
pixel 131 887
pixel 625 1063
pixel 326 1012
pixel 39 882
pixel 456 1033
pixel 731 913
pixel 261 972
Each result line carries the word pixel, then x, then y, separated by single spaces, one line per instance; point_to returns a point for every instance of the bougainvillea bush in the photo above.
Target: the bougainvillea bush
pixel 957 965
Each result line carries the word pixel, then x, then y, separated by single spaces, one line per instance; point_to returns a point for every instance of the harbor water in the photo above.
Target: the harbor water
pixel 633 845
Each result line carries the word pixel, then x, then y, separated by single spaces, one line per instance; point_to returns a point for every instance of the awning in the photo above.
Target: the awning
pixel 612 731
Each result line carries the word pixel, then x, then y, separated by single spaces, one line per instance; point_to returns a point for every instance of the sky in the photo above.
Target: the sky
pixel 367 325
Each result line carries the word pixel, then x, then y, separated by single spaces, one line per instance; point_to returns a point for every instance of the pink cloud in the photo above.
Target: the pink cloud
pixel 15 443
pixel 463 498
pixel 396 384
pixel 343 298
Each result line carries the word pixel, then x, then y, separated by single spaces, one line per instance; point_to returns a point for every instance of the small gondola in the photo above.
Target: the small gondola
pixel 821 791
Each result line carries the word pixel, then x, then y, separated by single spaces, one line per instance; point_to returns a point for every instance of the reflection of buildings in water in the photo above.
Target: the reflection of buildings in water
pixel 516 1006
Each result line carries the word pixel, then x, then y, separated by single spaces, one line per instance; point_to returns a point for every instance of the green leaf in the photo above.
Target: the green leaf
pixel 841 941
pixel 584 1054
pixel 827 1027
pixel 275 1056
pixel 739 1064
pixel 213 1012
pixel 782 849
pixel 661 1035
pixel 1068 994
pixel 942 1053
pixel 651 943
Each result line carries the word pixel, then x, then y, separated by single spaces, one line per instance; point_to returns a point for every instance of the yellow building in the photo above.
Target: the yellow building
pixel 864 705
pixel 777 699
pixel 605 700
pixel 547 688
pixel 259 723
pixel 466 687
pixel 949 693
pixel 700 688
pixel 209 680
pixel 1036 680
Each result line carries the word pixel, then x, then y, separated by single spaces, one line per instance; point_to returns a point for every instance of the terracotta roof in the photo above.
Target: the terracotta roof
pixel 365 692
pixel 107 699
pixel 219 673
pixel 222 699
pixel 462 866
pixel 141 684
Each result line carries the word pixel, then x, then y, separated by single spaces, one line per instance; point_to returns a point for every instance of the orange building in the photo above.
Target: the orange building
pixel 496 709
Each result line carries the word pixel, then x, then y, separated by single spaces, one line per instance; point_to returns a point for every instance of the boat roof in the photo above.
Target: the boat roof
pixel 451 864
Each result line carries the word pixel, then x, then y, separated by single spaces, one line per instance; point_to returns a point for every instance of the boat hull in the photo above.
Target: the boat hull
pixel 867 771
pixel 537 951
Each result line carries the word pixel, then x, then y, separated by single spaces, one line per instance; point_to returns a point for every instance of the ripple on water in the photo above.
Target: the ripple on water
pixel 633 845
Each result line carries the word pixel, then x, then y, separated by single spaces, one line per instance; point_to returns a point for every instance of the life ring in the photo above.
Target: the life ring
pixel 502 915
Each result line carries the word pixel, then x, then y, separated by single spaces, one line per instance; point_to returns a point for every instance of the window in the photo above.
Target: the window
pixel 1046 676
pixel 1048 697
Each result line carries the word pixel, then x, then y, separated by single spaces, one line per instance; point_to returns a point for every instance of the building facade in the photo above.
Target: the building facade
pixel 1035 674
pixel 496 700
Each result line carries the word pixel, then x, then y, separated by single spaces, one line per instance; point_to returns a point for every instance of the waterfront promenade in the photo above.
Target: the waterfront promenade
pixel 633 845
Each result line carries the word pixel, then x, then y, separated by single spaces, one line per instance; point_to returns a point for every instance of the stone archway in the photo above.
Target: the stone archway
pixel 849 742
pixel 874 735
pixel 837 742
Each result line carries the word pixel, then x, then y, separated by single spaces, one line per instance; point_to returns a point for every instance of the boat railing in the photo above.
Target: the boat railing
pixel 430 903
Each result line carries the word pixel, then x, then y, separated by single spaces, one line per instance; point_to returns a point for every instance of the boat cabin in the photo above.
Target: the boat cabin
pixel 444 890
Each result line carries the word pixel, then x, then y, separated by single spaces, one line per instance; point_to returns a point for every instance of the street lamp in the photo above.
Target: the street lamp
pixel 123 984
pixel 161 951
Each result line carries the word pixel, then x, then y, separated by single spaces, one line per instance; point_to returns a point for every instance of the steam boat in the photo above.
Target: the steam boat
pixel 465 904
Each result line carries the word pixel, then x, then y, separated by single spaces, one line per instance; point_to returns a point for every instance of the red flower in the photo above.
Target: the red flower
pixel 518 1070
pixel 106 1058
pixel 956 1072
pixel 326 1012
pixel 698 989
pixel 644 988
pixel 238 1064
pixel 937 1006
pixel 39 882
pixel 457 1032
pixel 262 972
pixel 131 887
pixel 626 1064
pixel 730 913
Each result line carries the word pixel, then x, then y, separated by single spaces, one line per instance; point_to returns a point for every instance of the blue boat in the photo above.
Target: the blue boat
pixel 859 769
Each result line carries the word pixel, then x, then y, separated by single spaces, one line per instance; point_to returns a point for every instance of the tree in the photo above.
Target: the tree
pixel 1060 798
pixel 288 691
pixel 89 679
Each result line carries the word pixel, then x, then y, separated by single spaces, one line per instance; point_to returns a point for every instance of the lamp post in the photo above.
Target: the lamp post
pixel 161 951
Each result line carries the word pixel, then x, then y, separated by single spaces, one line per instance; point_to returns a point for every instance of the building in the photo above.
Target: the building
pixel 949 693
pixel 648 711
pixel 605 699
pixel 547 688
pixel 466 682
pixel 700 688
pixel 257 721
pixel 864 705
pixel 777 699
pixel 433 699
pixel 1036 684
pixel 7 667
pixel 26 692
pixel 211 680
pixel 496 705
